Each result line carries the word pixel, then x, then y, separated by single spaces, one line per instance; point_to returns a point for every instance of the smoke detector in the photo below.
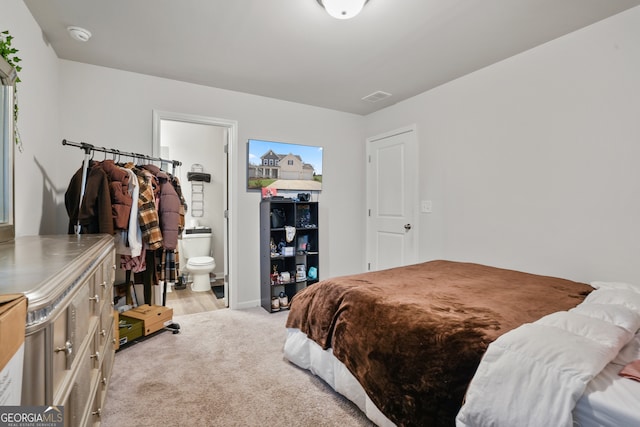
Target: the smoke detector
pixel 79 34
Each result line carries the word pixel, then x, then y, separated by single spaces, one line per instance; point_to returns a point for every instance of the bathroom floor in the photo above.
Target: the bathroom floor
pixel 185 301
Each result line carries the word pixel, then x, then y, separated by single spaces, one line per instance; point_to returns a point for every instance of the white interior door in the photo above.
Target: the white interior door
pixel 392 199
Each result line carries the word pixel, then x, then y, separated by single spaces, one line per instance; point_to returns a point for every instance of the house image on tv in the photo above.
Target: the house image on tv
pixel 281 166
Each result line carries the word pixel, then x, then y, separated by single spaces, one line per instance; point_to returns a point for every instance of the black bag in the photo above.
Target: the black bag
pixel 277 218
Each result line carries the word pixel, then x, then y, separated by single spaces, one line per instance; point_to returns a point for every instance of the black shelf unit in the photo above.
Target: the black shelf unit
pixel 297 256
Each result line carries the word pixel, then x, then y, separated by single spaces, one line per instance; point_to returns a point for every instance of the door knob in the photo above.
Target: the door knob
pixel 407 227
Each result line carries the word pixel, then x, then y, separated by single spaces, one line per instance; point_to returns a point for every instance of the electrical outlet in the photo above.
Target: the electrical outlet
pixel 425 206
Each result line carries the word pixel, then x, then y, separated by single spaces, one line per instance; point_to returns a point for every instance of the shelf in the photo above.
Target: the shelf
pixel 297 228
pixel 293 282
pixel 273 227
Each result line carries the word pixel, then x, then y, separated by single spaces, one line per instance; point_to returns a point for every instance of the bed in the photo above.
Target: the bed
pixel 403 344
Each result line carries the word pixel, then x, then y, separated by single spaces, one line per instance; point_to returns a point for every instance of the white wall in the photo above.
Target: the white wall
pixel 532 163
pixel 105 107
pixel 113 108
pixel 37 180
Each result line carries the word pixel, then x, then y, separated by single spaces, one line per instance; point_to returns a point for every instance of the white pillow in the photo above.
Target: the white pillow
pixel 629 352
pixel 626 297
pixel 615 285
pixel 615 314
pixel 583 324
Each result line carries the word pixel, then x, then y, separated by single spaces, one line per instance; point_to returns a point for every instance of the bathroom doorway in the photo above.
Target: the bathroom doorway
pixel 202 144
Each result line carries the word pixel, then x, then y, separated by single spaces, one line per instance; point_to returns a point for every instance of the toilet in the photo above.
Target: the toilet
pixel 196 248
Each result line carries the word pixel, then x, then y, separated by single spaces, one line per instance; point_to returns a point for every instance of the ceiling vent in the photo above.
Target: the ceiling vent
pixel 376 96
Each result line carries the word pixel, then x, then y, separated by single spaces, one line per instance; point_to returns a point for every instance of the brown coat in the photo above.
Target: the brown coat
pixel 95 214
pixel 119 191
pixel 169 208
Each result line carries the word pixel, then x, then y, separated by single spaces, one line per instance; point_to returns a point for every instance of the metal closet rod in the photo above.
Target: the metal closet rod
pixel 90 147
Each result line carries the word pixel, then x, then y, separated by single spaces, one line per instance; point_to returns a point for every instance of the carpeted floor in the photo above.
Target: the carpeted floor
pixel 225 368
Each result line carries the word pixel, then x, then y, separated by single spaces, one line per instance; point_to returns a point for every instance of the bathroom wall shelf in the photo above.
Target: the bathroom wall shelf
pixel 287 263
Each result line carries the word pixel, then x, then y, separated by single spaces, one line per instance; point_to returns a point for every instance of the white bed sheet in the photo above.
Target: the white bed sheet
pixel 609 400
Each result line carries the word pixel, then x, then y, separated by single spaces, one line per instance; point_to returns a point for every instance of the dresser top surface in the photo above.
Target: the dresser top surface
pixel 37 265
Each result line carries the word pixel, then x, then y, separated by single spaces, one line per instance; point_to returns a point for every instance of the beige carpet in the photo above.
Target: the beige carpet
pixel 225 368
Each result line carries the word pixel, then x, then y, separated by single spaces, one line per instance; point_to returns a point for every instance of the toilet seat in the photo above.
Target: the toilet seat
pixel 200 261
pixel 200 267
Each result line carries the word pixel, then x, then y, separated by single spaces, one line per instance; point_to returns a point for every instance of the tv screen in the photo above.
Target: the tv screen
pixel 283 166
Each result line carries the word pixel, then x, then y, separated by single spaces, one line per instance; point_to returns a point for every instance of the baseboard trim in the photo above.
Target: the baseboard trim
pixel 247 304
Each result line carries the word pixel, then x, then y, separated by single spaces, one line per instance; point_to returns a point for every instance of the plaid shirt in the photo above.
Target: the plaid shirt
pixel 148 214
pixel 167 265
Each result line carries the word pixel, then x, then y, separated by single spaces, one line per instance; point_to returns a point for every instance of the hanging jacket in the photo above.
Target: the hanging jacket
pixel 94 215
pixel 183 203
pixel 129 241
pixel 119 190
pixel 134 237
pixel 147 212
pixel 169 210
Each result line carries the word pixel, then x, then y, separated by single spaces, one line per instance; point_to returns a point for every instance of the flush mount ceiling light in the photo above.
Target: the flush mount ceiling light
pixel 343 9
pixel 79 34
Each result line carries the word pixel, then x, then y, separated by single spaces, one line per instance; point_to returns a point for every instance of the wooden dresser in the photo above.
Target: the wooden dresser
pixel 69 343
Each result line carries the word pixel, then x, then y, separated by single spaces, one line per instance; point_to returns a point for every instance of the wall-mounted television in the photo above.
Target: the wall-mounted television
pixel 283 166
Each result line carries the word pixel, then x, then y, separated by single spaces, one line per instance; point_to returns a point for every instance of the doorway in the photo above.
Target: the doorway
pixel 202 145
pixel 392 234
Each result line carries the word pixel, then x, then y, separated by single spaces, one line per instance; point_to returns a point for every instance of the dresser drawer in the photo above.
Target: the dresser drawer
pixel 107 367
pixel 96 353
pixel 103 282
pixel 95 411
pixel 81 391
pixel 105 329
pixel 70 330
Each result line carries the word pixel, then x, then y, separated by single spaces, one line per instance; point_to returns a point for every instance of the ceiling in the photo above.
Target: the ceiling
pixel 293 50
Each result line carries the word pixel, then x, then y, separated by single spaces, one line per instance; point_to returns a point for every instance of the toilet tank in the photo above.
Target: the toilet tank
pixel 196 242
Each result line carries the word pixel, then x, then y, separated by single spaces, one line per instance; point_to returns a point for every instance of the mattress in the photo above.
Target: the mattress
pixel 609 400
pixel 308 355
pixel 413 336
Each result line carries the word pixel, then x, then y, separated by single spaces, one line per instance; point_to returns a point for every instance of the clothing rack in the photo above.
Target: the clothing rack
pixel 88 149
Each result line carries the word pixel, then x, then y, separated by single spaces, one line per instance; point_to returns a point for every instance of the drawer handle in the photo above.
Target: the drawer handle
pixel 97 413
pixel 68 348
pixel 103 332
pixel 95 356
pixel 95 298
pixel 104 381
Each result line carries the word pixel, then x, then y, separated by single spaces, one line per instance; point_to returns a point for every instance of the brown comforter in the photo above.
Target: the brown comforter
pixel 413 336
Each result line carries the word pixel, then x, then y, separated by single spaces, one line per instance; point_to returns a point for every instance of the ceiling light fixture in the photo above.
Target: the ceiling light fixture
pixel 343 9
pixel 79 34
